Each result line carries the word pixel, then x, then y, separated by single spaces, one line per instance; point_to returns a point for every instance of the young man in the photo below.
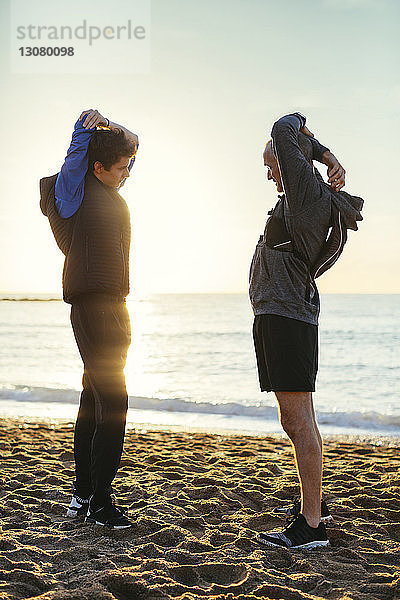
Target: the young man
pixel 91 224
pixel 286 304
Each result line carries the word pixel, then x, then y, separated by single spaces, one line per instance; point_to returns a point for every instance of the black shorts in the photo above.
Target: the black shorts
pixel 286 352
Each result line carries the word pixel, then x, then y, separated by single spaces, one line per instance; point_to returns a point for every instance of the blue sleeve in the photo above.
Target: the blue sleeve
pixel 70 184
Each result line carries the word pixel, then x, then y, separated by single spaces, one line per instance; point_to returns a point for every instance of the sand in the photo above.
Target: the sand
pixel 198 501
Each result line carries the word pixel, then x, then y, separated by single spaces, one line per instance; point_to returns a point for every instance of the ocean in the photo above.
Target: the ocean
pixel 192 363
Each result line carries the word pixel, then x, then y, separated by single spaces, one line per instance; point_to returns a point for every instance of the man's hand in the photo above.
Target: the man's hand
pixel 93 118
pixel 336 173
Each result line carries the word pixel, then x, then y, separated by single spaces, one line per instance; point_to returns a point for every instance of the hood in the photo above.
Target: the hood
pixel 349 206
pixel 47 187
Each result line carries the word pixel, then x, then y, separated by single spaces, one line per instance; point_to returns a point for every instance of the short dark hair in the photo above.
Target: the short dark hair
pixel 108 147
pixel 305 146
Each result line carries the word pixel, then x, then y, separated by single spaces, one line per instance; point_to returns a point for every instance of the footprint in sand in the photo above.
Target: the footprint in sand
pixel 218 573
pixel 196 525
pixel 168 537
pixel 125 585
pixel 203 493
pixel 222 573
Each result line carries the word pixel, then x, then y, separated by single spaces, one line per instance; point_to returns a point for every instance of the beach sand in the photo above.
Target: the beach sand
pixel 198 501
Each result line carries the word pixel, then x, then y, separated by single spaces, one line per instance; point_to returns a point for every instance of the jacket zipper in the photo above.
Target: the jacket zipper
pixel 335 255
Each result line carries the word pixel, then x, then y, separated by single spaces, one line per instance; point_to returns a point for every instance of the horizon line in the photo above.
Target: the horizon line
pixel 51 296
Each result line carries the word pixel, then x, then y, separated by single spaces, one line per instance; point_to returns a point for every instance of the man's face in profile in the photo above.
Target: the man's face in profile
pixel 273 172
pixel 116 174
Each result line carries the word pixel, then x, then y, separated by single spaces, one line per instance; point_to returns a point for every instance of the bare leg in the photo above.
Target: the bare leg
pixel 316 424
pixel 298 421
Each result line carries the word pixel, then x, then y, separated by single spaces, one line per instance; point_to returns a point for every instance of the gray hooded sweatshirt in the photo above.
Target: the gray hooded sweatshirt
pixel 279 281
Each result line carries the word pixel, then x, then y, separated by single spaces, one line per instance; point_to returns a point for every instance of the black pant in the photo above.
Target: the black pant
pixel 286 352
pixel 102 331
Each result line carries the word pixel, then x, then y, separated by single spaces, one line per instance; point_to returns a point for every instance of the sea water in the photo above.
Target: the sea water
pixel 192 363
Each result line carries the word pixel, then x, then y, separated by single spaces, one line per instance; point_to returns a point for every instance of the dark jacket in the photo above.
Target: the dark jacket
pixel 95 240
pixel 279 280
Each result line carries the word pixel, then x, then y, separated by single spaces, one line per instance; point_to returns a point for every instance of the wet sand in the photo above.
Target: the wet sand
pixel 197 501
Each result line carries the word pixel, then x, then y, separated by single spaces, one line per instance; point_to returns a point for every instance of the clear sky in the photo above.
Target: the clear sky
pixel 221 73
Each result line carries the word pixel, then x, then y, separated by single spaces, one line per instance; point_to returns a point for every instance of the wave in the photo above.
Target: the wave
pixel 371 420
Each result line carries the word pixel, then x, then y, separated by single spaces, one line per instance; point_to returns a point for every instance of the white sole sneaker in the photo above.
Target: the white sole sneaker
pixel 90 519
pixel 76 509
pixel 90 522
pixel 292 535
pixel 309 546
pixel 108 526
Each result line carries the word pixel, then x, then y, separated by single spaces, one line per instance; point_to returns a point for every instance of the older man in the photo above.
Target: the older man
pixel 286 304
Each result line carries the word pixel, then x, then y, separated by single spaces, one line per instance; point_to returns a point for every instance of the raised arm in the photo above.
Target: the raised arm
pixel 70 184
pixel 299 180
pixel 336 173
pixel 92 118
pixel 300 183
pixel 318 150
pixel 69 189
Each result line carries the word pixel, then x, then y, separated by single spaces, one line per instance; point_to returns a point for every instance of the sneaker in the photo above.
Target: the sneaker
pixel 297 534
pixel 110 516
pixel 294 510
pixel 78 506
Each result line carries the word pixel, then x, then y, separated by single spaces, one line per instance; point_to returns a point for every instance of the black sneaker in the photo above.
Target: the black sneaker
pixel 294 510
pixel 110 516
pixel 297 534
pixel 78 506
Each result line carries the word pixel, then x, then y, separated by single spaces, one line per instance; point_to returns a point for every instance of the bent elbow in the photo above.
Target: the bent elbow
pixel 282 125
